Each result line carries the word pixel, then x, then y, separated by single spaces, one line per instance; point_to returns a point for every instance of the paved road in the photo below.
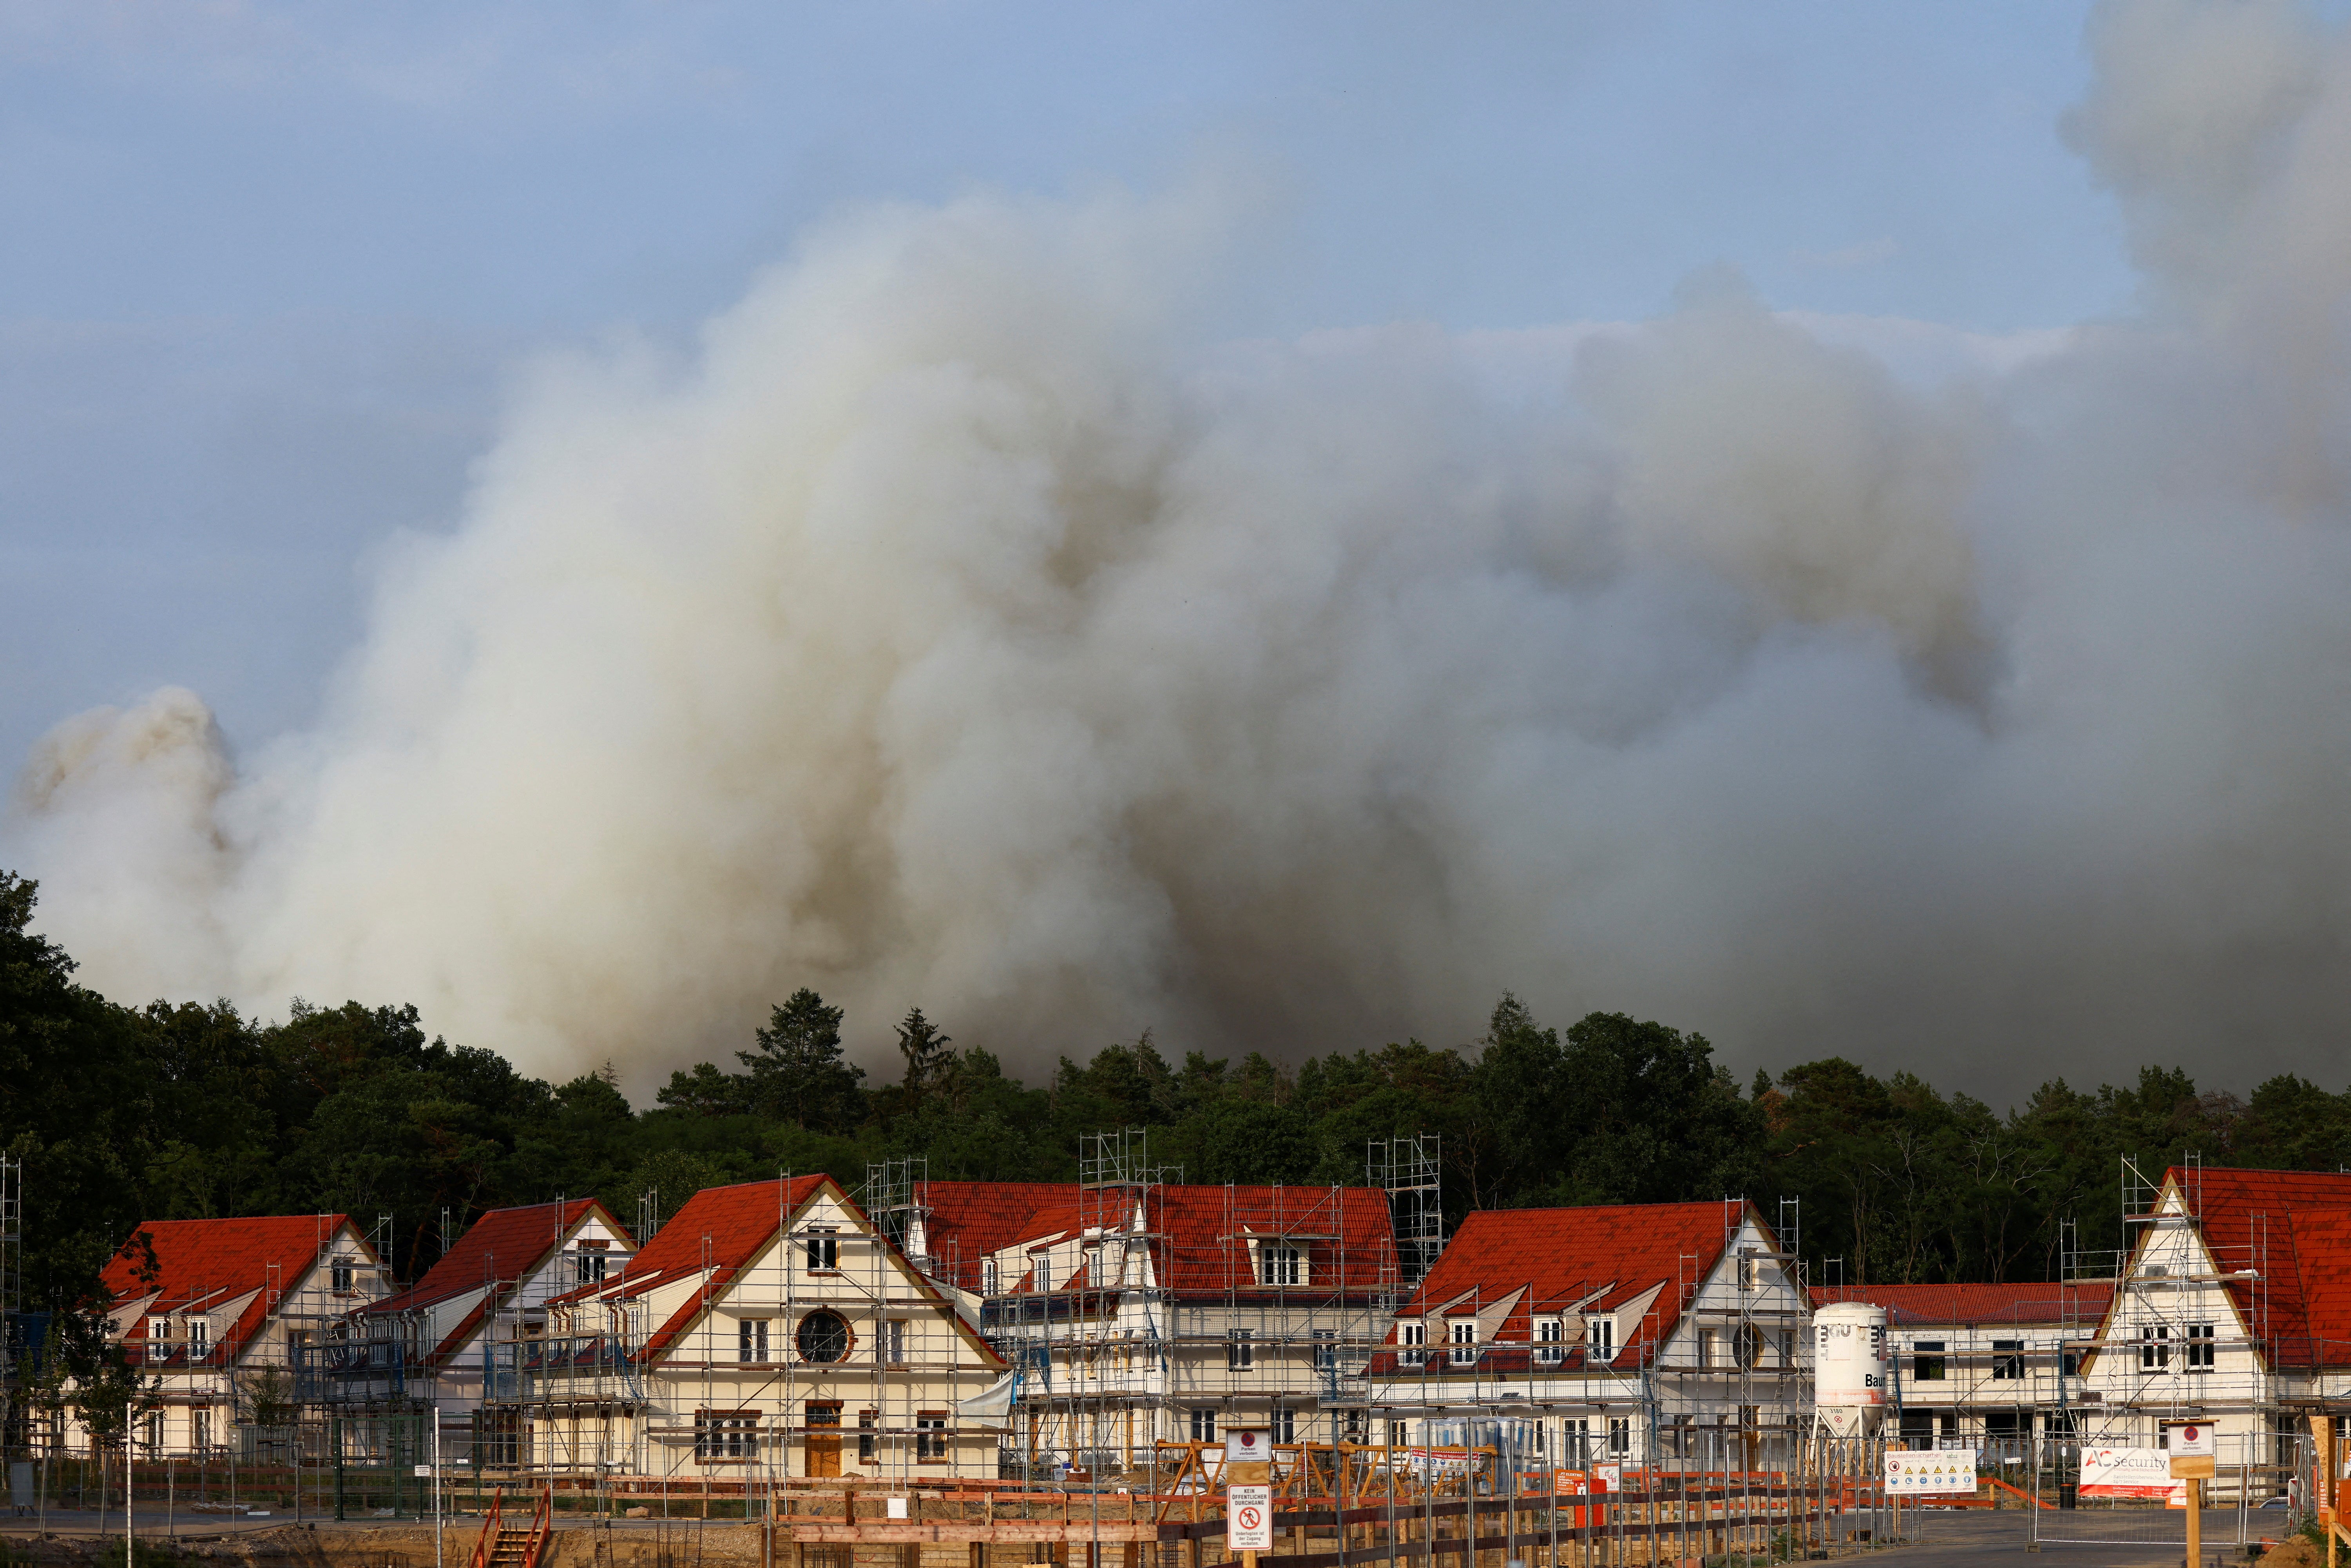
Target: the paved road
pixel 1950 1540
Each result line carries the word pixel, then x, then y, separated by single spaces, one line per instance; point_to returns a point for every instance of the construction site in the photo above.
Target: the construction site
pixel 1016 1368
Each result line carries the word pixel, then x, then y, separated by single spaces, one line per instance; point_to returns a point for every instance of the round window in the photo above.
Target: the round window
pixel 823 1337
pixel 1748 1344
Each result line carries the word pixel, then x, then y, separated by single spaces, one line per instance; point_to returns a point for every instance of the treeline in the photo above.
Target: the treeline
pixel 185 1110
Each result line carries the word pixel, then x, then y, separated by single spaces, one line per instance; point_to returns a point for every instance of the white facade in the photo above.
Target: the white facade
pixel 737 1347
pixel 1610 1361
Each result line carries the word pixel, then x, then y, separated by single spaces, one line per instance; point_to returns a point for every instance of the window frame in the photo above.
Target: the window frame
pixel 799 1330
pixel 726 1437
pixel 821 1250
pixel 1280 1264
pixel 751 1348
pixel 931 1437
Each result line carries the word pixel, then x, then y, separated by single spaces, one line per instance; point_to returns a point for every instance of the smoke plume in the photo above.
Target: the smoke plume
pixel 952 627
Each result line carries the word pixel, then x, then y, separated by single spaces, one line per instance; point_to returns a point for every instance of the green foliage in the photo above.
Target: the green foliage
pixel 187 1109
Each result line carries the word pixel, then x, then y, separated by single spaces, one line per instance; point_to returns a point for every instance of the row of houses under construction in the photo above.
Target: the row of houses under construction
pixel 1096 1328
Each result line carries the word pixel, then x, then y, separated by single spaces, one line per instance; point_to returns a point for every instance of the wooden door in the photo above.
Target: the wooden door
pixel 821 1449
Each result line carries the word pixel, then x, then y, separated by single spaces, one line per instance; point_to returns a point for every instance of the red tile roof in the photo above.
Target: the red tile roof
pixel 724 1230
pixel 497 1253
pixel 206 1264
pixel 2022 1302
pixel 1550 1259
pixel 1201 1234
pixel 1346 1233
pixel 2293 1230
pixel 965 1221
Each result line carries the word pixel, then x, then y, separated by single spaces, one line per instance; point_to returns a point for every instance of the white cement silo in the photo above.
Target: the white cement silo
pixel 1851 1357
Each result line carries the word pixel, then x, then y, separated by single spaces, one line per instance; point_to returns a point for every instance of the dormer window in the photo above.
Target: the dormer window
pixel 159 1338
pixel 1599 1339
pixel 1463 1332
pixel 990 1277
pixel 1551 1347
pixel 1412 1344
pixel 1280 1264
pixel 199 1338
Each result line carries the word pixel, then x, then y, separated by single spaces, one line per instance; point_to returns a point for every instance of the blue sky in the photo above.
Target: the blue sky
pixel 265 269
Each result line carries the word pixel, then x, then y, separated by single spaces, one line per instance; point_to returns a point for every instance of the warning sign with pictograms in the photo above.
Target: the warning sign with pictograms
pixel 1248 1519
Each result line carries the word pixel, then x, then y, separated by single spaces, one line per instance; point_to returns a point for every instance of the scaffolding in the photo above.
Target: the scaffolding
pixel 18 1344
pixel 1599 1369
pixel 1142 1313
pixel 1411 1171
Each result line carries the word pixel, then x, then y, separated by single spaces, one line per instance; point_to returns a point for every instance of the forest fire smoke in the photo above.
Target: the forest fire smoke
pixel 950 629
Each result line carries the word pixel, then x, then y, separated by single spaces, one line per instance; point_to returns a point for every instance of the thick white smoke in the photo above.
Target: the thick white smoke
pixel 951 631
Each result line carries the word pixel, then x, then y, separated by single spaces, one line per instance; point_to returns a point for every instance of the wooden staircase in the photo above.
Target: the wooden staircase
pixel 505 1543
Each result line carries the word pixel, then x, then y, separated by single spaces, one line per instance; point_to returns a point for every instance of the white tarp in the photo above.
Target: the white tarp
pixel 1941 1473
pixel 993 1403
pixel 2130 1473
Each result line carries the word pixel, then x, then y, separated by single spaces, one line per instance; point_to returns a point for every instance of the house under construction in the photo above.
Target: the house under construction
pixel 1143 1314
pixel 1646 1332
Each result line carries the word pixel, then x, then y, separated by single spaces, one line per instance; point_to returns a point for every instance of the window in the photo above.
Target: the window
pixel 1203 1425
pixel 865 1437
pixel 338 1276
pixel 751 1340
pixel 1750 1272
pixel 931 1436
pixel 155 1431
pixel 1574 1440
pixel 1412 1344
pixel 498 1434
pixel 2200 1347
pixel 1238 1352
pixel 823 1337
pixel 1396 1435
pixel 2154 1347
pixel 823 1251
pixel 989 1278
pixel 1463 1333
pixel 2008 1359
pixel 1599 1339
pixel 199 1338
pixel 1281 1265
pixel 725 1435
pixel 1747 1345
pixel 1620 1434
pixel 1550 1346
pixel 893 1342
pixel 1284 1425
pixel 200 1429
pixel 1710 1352
pixel 1927 1363
pixel 588 1268
pixel 1326 1349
